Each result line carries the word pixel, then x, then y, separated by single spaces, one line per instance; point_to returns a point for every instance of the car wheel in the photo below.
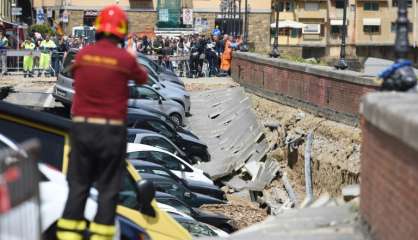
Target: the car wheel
pixel 176 118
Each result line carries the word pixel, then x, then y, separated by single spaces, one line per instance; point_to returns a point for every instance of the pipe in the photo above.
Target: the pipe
pixel 289 189
pixel 308 168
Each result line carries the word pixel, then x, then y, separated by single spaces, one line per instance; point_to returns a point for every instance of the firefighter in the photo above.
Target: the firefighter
pixel 98 135
pixel 28 59
pixel 46 47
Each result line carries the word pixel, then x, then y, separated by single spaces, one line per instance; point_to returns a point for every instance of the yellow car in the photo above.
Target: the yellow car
pixel 136 204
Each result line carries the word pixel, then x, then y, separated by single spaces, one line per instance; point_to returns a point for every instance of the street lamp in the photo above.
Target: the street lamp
pixel 239 18
pixel 400 76
pixel 342 64
pixel 244 47
pixel 275 51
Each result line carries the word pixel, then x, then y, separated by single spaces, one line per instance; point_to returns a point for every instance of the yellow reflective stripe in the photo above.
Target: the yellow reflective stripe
pixel 102 229
pixel 64 235
pixel 78 225
pixel 100 237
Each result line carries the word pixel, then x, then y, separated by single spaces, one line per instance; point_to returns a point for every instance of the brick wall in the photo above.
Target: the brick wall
pixel 389 165
pixel 317 89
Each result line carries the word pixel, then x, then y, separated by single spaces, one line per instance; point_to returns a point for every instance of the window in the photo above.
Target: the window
pixel 159 143
pixel 395 3
pixel 371 6
pixel 128 194
pixel 336 29
pixel 140 155
pixel 393 27
pixel 155 126
pixel 68 61
pixel 166 160
pixel 177 205
pixel 339 4
pixel 160 172
pixel 146 93
pixel 311 6
pixel 131 138
pixel 371 29
pixel 171 188
pixel 286 6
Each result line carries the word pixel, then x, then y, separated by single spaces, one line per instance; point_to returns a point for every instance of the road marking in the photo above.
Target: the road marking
pixel 50 98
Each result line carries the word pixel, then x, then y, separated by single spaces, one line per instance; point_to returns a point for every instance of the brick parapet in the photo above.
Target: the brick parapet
pixel 321 90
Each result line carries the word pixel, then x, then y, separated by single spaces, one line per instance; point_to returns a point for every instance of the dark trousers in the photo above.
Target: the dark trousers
pixel 97 156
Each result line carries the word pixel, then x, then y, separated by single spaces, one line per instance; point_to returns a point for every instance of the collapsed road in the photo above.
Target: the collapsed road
pixel 255 146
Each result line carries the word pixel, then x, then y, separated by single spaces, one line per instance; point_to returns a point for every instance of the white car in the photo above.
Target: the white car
pixel 177 165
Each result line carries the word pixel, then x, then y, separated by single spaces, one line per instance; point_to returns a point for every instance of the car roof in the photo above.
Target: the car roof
pixel 159 194
pixel 134 147
pixel 137 111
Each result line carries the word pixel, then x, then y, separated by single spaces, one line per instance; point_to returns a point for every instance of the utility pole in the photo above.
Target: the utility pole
pixel 275 51
pixel 400 76
pixel 342 64
pixel 245 47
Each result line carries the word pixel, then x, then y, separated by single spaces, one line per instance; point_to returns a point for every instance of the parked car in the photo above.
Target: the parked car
pixel 159 141
pixel 177 165
pixel 63 89
pixel 147 96
pixel 196 186
pixel 167 185
pixel 158 77
pixel 174 93
pixel 163 117
pixel 194 148
pixel 52 131
pixel 198 229
pixel 164 73
pixel 214 219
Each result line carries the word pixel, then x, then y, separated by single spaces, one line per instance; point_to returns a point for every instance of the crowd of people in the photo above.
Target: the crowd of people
pixel 207 55
pixel 215 50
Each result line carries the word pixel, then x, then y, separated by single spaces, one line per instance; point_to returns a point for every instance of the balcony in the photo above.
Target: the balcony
pixel 303 14
pixel 313 40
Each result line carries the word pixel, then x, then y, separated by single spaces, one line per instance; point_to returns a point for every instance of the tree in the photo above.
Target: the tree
pixel 40 28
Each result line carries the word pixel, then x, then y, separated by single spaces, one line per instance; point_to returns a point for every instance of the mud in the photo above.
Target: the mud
pixel 21 84
pixel 335 149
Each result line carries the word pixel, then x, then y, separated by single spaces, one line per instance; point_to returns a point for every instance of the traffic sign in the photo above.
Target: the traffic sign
pixel 16 11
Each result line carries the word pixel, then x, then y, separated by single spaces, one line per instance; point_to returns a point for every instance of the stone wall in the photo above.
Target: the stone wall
pixel 389 165
pixel 320 90
pixel 74 19
pixel 259 31
pixel 140 21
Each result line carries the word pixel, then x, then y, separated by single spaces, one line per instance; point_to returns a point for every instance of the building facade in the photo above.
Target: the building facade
pixel 371 28
pixel 144 15
pixel 5 10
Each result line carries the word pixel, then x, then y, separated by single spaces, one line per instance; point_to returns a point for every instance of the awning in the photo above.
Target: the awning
pixel 288 24
pixel 371 21
pixel 336 22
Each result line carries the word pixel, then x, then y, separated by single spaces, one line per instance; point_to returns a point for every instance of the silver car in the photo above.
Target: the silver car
pixel 147 96
pixel 63 90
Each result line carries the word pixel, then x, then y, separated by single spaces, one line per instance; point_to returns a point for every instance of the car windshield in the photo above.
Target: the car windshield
pixel 197 229
pixel 68 61
pixel 176 204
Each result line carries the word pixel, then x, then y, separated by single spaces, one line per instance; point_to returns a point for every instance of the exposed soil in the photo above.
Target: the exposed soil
pixel 21 84
pixel 243 212
pixel 335 148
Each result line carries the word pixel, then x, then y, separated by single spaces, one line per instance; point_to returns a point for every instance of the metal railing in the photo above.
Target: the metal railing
pixel 15 60
pixel 19 193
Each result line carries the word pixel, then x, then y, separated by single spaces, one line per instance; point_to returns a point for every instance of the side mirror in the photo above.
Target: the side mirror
pixel 160 100
pixel 156 87
pixel 146 193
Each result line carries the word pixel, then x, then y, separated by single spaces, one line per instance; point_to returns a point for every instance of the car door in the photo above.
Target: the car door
pixel 148 97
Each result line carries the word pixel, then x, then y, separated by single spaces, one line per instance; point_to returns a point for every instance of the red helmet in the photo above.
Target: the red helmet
pixel 112 20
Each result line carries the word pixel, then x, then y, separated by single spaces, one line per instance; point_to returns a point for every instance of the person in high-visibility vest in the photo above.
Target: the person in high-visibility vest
pixel 98 135
pixel 46 47
pixel 28 59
